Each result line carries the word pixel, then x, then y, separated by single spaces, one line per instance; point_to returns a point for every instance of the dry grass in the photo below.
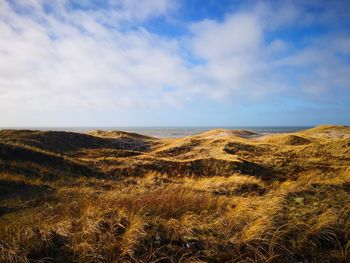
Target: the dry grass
pixel 160 218
pixel 301 216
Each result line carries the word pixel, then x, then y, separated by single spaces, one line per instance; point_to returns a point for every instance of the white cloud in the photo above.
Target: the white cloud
pixel 241 63
pixel 86 59
pixel 236 58
pixel 237 35
pixel 54 63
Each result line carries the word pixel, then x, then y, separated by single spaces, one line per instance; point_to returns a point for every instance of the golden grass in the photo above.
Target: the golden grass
pixel 294 214
pixel 181 219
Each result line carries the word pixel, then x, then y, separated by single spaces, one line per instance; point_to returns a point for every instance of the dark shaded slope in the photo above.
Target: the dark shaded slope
pixel 56 141
pixel 31 161
pixel 59 141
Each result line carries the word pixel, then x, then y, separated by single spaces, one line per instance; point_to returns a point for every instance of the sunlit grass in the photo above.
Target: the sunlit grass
pixel 179 219
pixel 298 213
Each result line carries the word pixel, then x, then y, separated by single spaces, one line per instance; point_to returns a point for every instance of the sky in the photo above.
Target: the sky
pixel 174 63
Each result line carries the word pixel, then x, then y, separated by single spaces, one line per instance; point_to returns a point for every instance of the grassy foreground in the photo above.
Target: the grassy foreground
pixel 220 196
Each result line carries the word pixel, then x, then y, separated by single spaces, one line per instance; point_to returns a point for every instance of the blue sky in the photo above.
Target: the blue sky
pixel 174 63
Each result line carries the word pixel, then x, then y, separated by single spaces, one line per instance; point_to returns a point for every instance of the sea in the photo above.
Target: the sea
pixel 174 132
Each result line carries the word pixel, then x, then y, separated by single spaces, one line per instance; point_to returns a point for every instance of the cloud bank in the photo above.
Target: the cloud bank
pixel 75 55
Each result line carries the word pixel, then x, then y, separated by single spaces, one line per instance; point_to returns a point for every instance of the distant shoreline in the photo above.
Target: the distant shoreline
pixel 172 132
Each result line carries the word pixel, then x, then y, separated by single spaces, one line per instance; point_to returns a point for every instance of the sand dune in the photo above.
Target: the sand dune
pixel 216 152
pixel 218 196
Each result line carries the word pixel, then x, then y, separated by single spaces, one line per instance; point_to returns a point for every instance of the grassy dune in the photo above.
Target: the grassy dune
pixel 219 196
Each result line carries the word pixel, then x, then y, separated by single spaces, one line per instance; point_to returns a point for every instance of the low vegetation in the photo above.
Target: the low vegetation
pixel 214 197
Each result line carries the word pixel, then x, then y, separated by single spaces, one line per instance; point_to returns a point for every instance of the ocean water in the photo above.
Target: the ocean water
pixel 175 132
